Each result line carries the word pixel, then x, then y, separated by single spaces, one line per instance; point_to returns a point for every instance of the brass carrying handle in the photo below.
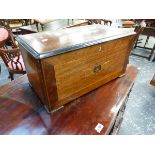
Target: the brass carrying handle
pixel 97 69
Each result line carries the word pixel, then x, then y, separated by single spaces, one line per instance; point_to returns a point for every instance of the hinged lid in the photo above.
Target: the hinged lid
pixel 49 43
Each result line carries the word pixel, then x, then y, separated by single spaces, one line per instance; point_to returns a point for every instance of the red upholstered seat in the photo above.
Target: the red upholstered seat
pixel 3 36
pixel 128 23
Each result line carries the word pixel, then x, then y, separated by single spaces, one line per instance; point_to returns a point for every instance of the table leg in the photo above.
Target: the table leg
pixel 152 53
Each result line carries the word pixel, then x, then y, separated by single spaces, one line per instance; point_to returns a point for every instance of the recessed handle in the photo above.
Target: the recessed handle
pixel 97 68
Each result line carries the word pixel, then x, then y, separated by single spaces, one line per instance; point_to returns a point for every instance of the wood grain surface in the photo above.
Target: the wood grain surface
pixel 21 111
pixel 62 78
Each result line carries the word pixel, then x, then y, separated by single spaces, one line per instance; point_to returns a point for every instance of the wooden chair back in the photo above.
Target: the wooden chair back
pixel 12 57
pixel 138 30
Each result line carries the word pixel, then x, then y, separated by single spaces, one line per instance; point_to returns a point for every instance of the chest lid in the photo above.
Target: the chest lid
pixel 50 43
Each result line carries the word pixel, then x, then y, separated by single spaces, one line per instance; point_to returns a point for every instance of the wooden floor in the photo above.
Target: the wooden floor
pixel 22 113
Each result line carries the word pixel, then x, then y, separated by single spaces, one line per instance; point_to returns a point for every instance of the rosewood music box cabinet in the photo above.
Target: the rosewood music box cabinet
pixel 64 64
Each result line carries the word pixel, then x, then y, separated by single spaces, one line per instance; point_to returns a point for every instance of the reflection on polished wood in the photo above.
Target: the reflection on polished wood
pixel 52 26
pixel 21 113
pixel 78 23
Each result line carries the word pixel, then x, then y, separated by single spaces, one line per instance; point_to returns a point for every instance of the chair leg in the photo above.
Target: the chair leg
pixel 37 25
pixel 152 53
pixel 11 76
pixel 136 42
pixel 42 26
pixel 147 39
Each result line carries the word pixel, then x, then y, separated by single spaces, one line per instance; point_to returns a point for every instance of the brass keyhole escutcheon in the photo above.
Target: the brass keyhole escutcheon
pixel 100 49
pixel 97 69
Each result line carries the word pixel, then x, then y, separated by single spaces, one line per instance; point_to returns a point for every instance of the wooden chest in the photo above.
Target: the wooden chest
pixel 63 65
